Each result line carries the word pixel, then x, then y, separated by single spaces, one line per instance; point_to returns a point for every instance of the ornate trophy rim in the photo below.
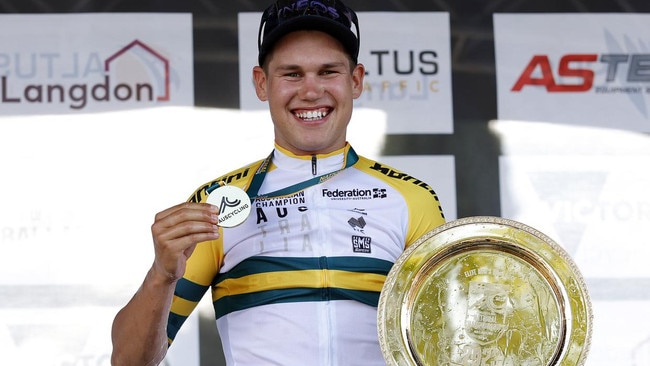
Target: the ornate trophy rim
pixel 482 237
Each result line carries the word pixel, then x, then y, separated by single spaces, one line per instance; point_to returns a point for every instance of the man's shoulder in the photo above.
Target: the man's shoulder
pixel 240 177
pixel 402 181
pixel 421 199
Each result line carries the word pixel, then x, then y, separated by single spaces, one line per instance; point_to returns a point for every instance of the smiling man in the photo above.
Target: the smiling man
pixel 298 281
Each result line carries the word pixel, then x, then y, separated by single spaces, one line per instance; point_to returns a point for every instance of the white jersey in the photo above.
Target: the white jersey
pixel 298 282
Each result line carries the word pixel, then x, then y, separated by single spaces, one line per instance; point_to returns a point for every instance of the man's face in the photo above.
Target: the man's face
pixel 310 89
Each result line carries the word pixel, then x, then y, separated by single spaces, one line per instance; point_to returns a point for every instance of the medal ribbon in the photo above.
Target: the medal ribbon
pixel 253 190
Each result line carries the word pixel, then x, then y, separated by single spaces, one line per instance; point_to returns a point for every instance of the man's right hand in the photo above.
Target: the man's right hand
pixel 176 231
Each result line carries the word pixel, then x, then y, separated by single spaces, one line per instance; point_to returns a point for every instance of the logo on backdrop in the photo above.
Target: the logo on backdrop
pixel 410 80
pixel 576 204
pixel 399 75
pixel 619 71
pixel 135 73
pixel 599 75
pixel 83 63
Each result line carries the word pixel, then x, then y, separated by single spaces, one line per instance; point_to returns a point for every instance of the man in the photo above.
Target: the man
pixel 297 283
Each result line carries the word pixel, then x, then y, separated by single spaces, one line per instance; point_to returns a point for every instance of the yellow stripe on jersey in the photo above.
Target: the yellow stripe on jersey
pixel 183 307
pixel 299 279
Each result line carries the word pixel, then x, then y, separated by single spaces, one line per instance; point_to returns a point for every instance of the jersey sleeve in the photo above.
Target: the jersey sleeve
pixel 202 267
pixel 425 214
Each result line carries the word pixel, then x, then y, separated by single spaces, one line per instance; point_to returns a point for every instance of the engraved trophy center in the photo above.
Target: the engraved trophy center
pixel 487 311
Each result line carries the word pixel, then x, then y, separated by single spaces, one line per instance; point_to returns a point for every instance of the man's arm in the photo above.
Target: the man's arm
pixel 139 331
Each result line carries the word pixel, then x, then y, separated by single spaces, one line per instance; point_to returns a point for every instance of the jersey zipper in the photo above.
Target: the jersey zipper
pixel 330 353
pixel 324 266
pixel 314 170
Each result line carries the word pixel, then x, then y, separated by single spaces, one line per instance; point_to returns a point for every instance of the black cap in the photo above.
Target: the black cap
pixel 329 16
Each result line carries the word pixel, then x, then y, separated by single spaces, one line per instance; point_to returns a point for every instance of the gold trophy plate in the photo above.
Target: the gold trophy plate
pixel 484 291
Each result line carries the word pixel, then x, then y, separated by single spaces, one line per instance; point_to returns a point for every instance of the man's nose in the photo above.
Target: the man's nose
pixel 312 87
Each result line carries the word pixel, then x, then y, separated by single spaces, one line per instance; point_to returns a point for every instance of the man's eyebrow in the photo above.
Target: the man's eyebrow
pixel 289 67
pixel 331 65
pixel 327 65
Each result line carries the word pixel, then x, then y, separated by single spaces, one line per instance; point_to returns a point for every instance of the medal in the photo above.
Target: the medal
pixel 234 205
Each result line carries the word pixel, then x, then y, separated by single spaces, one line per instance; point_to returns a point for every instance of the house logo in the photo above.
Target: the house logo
pixel 161 73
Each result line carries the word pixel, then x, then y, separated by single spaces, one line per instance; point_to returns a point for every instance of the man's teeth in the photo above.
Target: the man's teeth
pixel 311 115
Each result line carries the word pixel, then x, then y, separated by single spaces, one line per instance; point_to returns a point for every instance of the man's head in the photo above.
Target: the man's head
pixel 328 16
pixel 309 73
pixel 310 88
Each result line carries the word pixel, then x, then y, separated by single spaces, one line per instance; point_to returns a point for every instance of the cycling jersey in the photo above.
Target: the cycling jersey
pixel 298 282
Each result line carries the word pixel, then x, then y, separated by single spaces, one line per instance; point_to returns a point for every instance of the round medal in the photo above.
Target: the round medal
pixel 234 205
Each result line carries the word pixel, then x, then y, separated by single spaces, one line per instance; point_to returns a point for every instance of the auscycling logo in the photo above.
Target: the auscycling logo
pixel 135 73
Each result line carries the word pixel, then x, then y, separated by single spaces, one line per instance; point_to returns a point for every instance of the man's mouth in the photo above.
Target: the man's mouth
pixel 312 115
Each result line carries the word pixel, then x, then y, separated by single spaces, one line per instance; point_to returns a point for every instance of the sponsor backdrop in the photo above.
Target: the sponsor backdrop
pixel 94 62
pixel 582 69
pixel 573 96
pixel 99 128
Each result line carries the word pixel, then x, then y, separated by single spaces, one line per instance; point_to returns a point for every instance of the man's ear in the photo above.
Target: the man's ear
pixel 357 80
pixel 259 78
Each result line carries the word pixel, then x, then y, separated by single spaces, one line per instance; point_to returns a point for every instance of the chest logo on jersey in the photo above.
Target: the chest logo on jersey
pixel 361 244
pixel 354 194
pixel 357 223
